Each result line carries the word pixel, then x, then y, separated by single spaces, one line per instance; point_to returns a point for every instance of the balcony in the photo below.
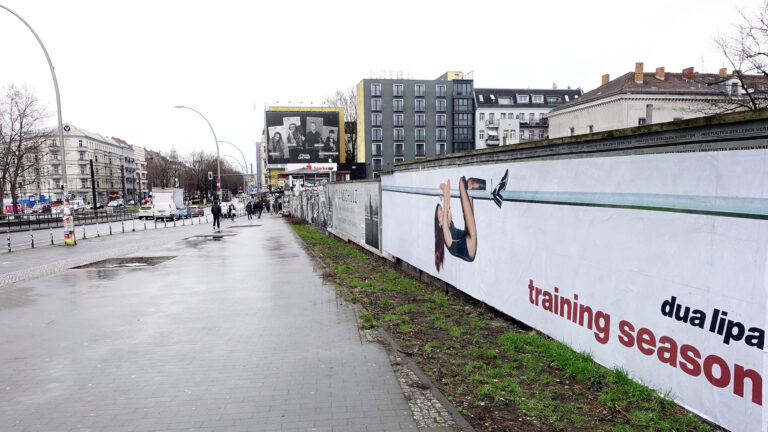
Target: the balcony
pixel 492 141
pixel 492 123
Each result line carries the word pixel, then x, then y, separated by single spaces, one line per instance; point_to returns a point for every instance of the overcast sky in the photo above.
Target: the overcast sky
pixel 123 65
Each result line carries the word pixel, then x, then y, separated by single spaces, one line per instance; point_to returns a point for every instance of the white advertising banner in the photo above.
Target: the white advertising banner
pixel 653 263
pixel 354 211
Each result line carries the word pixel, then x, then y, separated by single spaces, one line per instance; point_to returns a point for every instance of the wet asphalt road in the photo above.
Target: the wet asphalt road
pixel 232 334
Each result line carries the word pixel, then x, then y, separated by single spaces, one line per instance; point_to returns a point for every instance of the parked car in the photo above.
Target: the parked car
pixel 146 212
pixel 184 212
pixel 131 203
pixel 98 206
pixel 196 211
pixel 41 208
pixel 115 203
pixel 77 205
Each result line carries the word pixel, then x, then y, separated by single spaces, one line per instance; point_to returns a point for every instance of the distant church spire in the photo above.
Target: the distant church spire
pixel 174 154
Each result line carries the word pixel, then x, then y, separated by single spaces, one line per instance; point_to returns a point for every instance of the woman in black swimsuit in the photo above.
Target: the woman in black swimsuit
pixel 461 243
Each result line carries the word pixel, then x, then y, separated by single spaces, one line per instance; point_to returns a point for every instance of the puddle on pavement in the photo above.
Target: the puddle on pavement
pixel 126 262
pixel 213 236
pixel 243 226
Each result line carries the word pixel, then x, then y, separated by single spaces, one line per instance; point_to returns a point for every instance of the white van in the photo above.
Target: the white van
pixel 167 202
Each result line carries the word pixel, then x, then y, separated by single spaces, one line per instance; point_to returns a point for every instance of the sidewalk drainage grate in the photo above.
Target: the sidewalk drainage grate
pixel 127 262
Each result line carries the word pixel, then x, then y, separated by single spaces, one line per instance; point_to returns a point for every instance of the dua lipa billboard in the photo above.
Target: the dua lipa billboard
pixel 305 135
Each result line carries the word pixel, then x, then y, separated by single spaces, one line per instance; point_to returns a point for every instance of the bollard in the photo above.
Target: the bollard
pixel 9 242
pixel 145 225
pixel 155 223
pixel 183 222
pixel 206 218
pixel 97 228
pixel 52 234
pixel 165 223
pixel 174 222
pixel 133 227
pixel 84 232
pixel 110 229
pixel 122 226
pixel 32 239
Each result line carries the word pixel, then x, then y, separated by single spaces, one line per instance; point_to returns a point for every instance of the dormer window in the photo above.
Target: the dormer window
pixel 538 99
pixel 522 98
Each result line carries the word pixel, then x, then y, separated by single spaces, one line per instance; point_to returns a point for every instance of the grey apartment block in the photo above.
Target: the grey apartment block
pixel 406 119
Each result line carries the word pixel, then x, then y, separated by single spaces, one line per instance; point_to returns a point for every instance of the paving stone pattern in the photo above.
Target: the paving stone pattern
pixel 235 334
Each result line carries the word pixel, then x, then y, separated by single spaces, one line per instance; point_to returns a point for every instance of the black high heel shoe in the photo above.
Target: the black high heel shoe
pixel 496 194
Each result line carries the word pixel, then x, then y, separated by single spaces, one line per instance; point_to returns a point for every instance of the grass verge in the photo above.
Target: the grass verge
pixel 500 375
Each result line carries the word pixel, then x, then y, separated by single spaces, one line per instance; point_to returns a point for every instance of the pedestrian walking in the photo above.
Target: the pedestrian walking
pixel 216 213
pixel 249 210
pixel 232 211
pixel 259 207
pixel 268 207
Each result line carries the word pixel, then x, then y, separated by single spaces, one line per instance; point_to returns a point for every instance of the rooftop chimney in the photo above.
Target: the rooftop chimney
pixel 639 72
pixel 606 78
pixel 723 73
pixel 688 73
pixel 660 73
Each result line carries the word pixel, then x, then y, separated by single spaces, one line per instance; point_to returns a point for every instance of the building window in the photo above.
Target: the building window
pixel 512 134
pixel 553 100
pixel 419 135
pixel 461 105
pixel 376 149
pixel 464 119
pixel 82 169
pixel 420 119
pixel 542 135
pixel 83 184
pixel 531 118
pixel 538 99
pixel 591 128
pixel 398 149
pixel 482 135
pixel 440 148
pixel 376 134
pixel 375 119
pixel 491 117
pixel 79 143
pixel 399 134
pixel 482 116
pixel 397 90
pixel 440 90
pixel 420 149
pixel 440 103
pixel 571 130
pixel 399 159
pixel 462 89
pixel 641 121
pixel 419 104
pixel 522 98
pixel 398 119
pixel 98 184
pixel 440 119
pixel 441 135
pixel 376 164
pixel 82 155
pixel 375 89
pixel 397 105
pixel 506 135
pixel 375 104
pixel 503 116
pixel 419 88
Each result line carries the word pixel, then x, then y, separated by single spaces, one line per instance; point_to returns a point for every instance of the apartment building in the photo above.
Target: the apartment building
pixel 405 119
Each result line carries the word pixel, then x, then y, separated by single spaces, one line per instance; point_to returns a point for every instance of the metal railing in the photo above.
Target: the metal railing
pixel 31 221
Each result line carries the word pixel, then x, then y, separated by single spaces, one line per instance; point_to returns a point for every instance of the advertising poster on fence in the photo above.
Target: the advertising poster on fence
pixel 652 263
pixel 355 210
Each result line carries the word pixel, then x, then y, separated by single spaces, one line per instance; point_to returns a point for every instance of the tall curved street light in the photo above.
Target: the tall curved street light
pixel 245 167
pixel 58 103
pixel 218 158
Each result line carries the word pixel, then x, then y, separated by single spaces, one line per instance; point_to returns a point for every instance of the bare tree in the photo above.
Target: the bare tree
pixel 348 100
pixel 746 53
pixel 21 139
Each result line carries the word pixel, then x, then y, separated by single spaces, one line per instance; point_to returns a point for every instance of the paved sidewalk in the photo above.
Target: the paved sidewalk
pixel 234 334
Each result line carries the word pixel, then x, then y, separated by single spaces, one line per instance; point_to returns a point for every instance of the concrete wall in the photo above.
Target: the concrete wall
pixel 620 226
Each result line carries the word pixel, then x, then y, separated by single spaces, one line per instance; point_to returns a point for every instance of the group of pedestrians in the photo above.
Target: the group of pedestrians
pixel 256 207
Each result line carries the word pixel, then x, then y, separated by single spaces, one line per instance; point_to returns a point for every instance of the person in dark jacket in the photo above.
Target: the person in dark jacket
pixel 216 212
pixel 259 207
pixel 249 210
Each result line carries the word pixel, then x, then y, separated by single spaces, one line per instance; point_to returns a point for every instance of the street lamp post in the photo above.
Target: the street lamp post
pixel 218 158
pixel 245 169
pixel 58 101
